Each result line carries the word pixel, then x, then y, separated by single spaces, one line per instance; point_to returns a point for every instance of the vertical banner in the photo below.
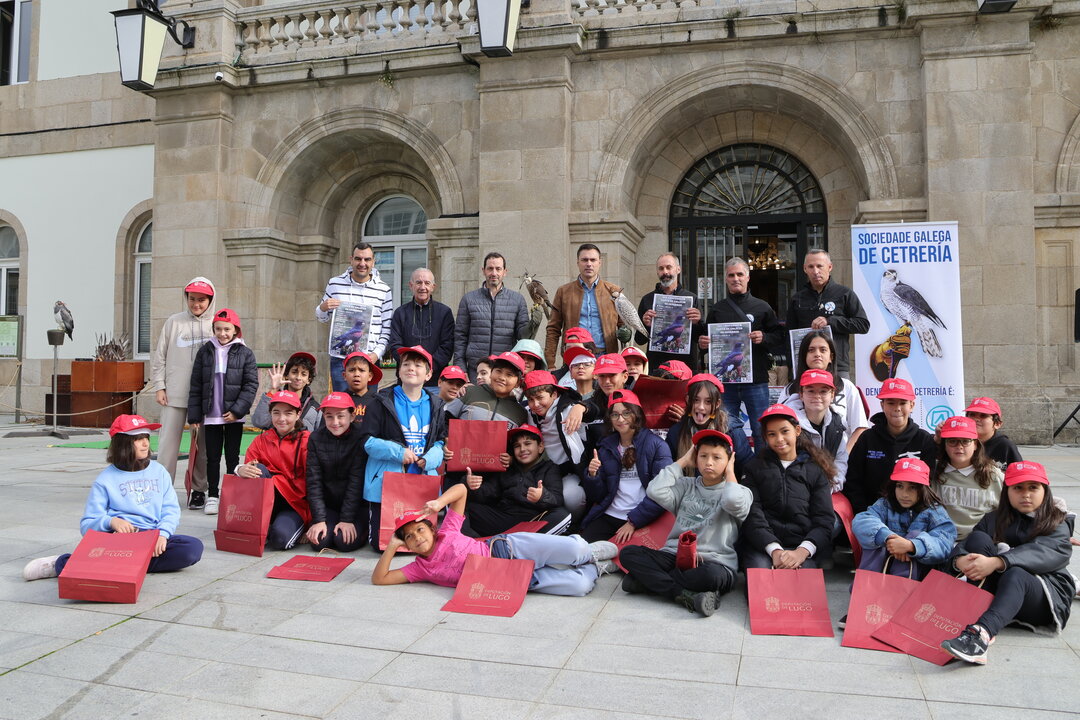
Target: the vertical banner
pixel 907 277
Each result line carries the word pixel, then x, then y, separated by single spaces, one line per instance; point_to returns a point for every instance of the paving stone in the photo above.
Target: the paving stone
pixel 758 703
pixel 650 696
pixel 471 677
pixel 332 660
pixel 495 647
pixel 388 702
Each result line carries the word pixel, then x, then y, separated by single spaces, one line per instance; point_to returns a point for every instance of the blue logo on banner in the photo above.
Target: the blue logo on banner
pixel 937 415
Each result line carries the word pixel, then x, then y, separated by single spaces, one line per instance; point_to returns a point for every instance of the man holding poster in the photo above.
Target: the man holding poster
pixel 668 272
pixel 765 330
pixel 908 276
pixel 823 303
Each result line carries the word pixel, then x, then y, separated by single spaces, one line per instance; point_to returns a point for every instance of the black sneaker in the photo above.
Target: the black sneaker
pixel 706 602
pixel 632 585
pixel 197 501
pixel 842 623
pixel 969 645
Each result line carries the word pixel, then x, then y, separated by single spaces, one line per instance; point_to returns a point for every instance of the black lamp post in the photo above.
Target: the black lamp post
pixel 140 37
pixel 498 20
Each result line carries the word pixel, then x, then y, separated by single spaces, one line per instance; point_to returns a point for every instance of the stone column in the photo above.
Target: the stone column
pixel 453 251
pixel 980 151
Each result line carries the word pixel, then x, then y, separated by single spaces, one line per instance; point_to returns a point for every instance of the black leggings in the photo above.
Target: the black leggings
pixel 601 527
pixel 1018 595
pixel 656 570
pixel 218 437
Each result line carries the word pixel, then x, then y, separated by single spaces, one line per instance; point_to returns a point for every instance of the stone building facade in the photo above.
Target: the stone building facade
pixel 910 110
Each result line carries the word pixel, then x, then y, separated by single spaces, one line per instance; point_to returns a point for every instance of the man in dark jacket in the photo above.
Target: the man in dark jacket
pixel 425 322
pixel 893 435
pixel 765 331
pixel 490 319
pixel 668 271
pixel 823 303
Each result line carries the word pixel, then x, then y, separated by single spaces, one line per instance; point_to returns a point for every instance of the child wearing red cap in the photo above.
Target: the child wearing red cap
pixel 531 488
pixel 704 411
pixel 296 376
pixel 170 375
pixel 823 426
pixel 709 503
pixel 1021 551
pixel 335 478
pixel 790 524
pixel 496 400
pixel 620 470
pixel 451 381
pixel 134 493
pixel 224 382
pixel 908 524
pixel 987 416
pixel 894 435
pixel 281 453
pixel 965 478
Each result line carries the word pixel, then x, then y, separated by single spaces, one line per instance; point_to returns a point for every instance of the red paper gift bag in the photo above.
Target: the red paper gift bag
pixel 686 557
pixel 842 507
pixel 652 536
pixel 529 526
pixel 477 444
pixel 246 505
pixel 938 609
pixel 318 568
pixel 240 543
pixel 403 493
pixel 788 602
pixel 491 586
pixel 875 598
pixel 656 395
pixel 108 567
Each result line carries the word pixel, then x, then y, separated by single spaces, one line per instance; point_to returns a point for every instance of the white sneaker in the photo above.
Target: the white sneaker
pixel 603 550
pixel 606 567
pixel 211 506
pixel 40 568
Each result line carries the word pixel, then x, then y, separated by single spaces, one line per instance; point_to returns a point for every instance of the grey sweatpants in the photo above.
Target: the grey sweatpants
pixel 172 428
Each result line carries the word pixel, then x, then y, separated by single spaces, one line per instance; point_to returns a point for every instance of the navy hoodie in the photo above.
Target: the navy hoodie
pixel 875 453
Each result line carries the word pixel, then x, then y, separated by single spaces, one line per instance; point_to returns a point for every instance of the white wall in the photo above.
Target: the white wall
pixel 71 206
pixel 77 37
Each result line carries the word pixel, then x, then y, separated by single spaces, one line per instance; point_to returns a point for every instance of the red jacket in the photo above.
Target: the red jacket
pixel 286 459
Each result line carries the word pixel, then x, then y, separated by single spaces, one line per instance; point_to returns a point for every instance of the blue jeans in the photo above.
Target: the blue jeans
pixel 756 398
pixel 337 374
pixel 562 564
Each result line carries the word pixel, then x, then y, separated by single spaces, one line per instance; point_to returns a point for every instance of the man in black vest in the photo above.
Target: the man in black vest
pixel 765 330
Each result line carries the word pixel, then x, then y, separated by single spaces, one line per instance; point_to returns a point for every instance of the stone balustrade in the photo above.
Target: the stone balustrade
pixel 271 33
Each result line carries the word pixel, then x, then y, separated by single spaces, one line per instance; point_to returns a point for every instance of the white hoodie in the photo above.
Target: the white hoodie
pixel 174 354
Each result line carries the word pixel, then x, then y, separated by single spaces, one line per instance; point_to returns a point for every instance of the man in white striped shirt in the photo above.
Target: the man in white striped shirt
pixel 359 284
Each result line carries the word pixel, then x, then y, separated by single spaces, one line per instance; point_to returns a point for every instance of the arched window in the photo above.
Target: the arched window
pixel 140 301
pixel 9 271
pixel 752 201
pixel 396 229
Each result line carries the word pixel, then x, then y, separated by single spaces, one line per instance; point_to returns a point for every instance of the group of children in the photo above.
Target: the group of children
pixel 580 458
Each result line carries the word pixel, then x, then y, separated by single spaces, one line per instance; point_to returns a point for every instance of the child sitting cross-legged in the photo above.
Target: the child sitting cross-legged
pixel 712 505
pixel 530 488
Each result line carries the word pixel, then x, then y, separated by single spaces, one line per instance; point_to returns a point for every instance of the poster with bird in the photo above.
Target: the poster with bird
pixel 731 352
pixel 349 329
pixel 670 332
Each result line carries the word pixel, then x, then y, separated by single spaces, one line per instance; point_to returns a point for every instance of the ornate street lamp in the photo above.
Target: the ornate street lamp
pixel 498 21
pixel 140 37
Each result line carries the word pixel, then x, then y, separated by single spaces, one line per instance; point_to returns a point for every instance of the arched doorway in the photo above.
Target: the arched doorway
pixel 753 201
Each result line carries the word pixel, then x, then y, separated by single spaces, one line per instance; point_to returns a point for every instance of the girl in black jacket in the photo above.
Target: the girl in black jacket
pixel 335 478
pixel 224 381
pixel 1022 551
pixel 791 520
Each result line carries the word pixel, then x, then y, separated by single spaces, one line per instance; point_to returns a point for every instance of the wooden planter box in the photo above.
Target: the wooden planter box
pixel 98 409
pixel 107 377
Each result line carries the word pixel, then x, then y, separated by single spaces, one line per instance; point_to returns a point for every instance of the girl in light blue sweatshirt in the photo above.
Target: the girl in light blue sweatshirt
pixel 134 493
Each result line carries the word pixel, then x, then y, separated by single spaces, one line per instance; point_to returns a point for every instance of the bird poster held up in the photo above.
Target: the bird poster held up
pixel 730 352
pixel 349 328
pixel 670 331
pixel 907 277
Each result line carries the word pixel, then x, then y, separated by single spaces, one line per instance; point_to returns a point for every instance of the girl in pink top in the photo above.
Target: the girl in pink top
pixel 440 554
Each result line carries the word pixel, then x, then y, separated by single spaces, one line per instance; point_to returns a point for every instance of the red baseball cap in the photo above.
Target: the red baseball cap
pixel 816 377
pixel 453 372
pixel 1025 471
pixel 912 470
pixel 302 356
pixel 634 352
pixel 376 371
pixel 402 520
pixel 678 368
pixel 577 335
pixel 702 434
pixel 610 364
pixel 959 427
pixel 779 410
pixel 896 389
pixel 536 378
pixel 512 359
pixel 623 396
pixel 985 406
pixel 131 425
pixel 706 377
pixel 229 316
pixel 575 352
pixel 531 429
pixel 285 396
pixel 337 401
pixel 200 286
pixel 419 350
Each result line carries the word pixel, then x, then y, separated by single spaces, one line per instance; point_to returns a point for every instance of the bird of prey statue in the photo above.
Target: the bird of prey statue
pixel 628 313
pixel 538 293
pixel 64 321
pixel 909 307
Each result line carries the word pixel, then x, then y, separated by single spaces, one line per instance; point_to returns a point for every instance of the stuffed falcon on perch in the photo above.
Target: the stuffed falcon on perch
pixel 64 321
